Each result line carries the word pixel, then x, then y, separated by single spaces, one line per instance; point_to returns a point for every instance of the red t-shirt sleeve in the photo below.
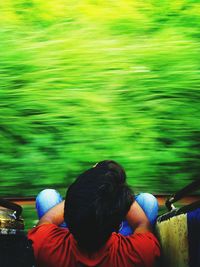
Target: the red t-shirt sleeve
pixel 48 243
pixel 141 248
pixel 39 235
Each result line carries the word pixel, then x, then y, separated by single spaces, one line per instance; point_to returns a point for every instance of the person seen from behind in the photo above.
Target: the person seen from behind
pixel 100 223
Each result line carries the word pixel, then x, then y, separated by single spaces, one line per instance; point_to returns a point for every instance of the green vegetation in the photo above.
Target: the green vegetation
pixel 82 81
pixel 29 216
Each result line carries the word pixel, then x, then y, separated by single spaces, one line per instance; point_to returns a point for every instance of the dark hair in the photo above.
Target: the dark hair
pixel 96 203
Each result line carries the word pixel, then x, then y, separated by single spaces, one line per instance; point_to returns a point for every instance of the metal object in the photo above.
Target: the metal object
pixel 17 209
pixel 182 193
pixel 15 248
pixel 172 210
pixel 8 220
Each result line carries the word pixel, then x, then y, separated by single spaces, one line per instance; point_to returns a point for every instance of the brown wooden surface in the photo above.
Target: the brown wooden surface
pixel 183 201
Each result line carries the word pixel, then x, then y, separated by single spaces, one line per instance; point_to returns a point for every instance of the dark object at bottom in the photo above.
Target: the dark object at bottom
pixel 15 251
pixel 15 248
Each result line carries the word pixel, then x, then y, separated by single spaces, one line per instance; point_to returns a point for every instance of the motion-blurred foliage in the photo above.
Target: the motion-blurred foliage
pixel 83 81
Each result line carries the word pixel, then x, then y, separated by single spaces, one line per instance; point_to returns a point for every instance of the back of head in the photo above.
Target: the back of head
pixel 96 203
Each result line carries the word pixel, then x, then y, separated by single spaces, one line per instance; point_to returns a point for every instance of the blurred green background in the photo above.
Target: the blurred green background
pixel 83 81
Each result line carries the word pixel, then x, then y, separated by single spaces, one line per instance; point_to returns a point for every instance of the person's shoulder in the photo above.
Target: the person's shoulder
pixel 42 227
pixel 143 236
pixel 135 236
pixel 146 239
pixel 43 230
pixel 45 238
pixel 139 246
pixel 45 235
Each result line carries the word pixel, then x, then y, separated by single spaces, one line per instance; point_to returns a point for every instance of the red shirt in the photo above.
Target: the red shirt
pixel 55 247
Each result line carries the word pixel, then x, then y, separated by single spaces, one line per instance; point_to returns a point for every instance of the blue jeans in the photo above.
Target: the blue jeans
pixel 48 198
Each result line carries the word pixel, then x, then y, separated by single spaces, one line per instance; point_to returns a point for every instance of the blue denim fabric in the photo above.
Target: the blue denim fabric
pixel 48 198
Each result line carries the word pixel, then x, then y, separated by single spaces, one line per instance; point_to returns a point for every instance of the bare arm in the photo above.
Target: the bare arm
pixel 137 219
pixel 55 215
